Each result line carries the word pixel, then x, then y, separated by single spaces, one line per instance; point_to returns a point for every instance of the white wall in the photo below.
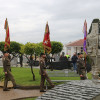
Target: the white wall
pixel 72 50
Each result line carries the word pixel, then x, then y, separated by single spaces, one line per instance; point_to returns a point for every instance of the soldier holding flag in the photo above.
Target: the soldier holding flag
pixel 47 48
pixel 6 60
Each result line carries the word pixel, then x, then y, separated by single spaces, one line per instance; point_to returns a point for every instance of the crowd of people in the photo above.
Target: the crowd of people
pixel 80 64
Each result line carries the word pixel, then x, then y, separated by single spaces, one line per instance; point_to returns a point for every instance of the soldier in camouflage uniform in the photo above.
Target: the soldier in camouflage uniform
pixel 81 67
pixel 7 71
pixel 43 73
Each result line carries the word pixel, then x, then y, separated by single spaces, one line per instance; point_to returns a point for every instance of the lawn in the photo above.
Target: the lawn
pixel 23 76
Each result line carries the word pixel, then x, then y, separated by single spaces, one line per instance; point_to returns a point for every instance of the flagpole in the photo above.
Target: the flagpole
pixel 44 50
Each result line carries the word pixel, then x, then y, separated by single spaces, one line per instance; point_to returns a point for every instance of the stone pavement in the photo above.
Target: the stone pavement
pixel 74 90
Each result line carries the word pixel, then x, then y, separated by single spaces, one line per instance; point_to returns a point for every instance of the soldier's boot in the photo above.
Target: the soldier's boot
pixel 5 84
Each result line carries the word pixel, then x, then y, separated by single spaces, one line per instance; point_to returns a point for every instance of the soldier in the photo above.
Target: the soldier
pixel 7 71
pixel 81 67
pixel 43 73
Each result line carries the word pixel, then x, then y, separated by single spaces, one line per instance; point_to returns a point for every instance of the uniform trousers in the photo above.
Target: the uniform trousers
pixel 43 77
pixel 9 77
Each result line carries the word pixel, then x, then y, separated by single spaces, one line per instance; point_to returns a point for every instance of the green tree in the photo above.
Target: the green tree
pixel 57 47
pixel 22 49
pixel 29 49
pixel 39 49
pixel 2 46
pixel 14 47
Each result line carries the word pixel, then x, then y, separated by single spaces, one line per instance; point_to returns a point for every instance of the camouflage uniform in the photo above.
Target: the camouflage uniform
pixel 44 75
pixel 8 76
pixel 81 69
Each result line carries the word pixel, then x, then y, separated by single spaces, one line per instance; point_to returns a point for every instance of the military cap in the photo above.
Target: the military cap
pixel 42 54
pixel 80 54
pixel 5 52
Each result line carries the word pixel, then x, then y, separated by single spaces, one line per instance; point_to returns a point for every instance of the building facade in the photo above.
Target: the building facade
pixel 74 47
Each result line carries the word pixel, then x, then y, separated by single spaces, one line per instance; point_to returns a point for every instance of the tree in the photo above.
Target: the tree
pixel 29 49
pixel 57 47
pixel 39 49
pixel 14 47
pixel 2 46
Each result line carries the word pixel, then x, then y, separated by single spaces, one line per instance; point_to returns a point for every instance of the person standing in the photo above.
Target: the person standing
pixel 7 71
pixel 74 61
pixel 81 67
pixel 43 73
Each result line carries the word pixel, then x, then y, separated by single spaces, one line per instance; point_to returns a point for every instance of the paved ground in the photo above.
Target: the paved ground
pixel 74 90
pixel 17 93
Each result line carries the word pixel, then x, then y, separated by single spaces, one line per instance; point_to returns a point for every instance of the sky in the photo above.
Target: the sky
pixel 27 19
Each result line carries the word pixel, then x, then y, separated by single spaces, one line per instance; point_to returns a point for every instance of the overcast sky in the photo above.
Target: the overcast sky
pixel 27 19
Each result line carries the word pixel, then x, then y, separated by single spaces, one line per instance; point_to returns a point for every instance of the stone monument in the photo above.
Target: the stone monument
pixel 93 47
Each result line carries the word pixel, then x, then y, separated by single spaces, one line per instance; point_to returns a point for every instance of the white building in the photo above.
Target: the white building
pixel 75 46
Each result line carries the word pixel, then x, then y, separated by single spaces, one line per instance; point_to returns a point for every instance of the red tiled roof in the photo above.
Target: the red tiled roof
pixel 76 43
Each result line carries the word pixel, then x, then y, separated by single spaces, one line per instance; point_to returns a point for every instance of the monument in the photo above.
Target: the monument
pixel 93 47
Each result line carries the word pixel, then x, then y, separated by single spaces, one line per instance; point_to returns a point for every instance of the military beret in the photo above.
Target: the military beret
pixel 42 54
pixel 5 52
pixel 79 54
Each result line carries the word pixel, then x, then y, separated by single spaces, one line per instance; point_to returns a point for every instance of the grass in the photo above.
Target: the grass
pixel 89 75
pixel 23 76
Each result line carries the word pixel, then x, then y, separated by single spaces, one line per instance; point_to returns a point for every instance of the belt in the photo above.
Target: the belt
pixel 82 68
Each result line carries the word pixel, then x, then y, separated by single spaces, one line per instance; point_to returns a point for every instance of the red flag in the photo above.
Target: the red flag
pixel 46 41
pixel 7 39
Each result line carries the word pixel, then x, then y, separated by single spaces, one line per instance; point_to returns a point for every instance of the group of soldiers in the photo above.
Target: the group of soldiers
pixel 6 59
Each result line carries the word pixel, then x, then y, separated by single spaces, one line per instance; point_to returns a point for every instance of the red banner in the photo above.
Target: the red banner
pixel 7 39
pixel 46 41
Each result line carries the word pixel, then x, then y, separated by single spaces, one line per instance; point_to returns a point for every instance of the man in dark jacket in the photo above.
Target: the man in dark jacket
pixel 74 61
